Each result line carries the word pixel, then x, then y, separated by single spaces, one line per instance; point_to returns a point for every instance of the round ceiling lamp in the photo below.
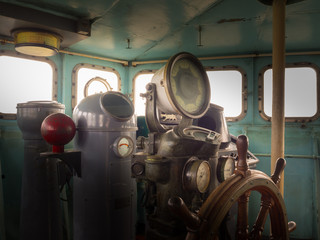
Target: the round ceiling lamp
pixel 36 42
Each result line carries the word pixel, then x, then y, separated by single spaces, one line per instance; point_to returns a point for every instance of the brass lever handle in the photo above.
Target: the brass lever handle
pixel 280 165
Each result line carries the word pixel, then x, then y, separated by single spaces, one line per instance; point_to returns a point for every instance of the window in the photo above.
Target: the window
pixel 90 79
pixel 139 86
pixel 23 80
pixel 227 90
pixel 301 84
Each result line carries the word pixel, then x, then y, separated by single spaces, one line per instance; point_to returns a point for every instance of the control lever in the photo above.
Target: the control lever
pixel 280 165
pixel 58 129
pixel 179 208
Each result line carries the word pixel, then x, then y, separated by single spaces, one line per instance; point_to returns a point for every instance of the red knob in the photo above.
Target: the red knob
pixel 58 129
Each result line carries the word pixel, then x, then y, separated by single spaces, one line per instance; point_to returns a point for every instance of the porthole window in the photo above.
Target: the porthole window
pixel 90 79
pixel 228 90
pixel 25 79
pixel 139 86
pixel 301 92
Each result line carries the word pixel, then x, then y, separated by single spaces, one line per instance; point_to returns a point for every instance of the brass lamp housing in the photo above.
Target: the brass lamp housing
pixel 182 87
pixel 36 42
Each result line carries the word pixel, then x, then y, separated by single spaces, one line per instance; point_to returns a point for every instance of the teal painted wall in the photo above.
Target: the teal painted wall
pixel 300 182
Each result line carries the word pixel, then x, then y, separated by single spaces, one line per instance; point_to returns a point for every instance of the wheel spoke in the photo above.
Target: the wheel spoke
pixel 276 231
pixel 242 221
pixel 258 227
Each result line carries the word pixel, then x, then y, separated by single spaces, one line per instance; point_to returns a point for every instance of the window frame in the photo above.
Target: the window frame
pixel 13 116
pixel 244 89
pixel 74 88
pixel 261 91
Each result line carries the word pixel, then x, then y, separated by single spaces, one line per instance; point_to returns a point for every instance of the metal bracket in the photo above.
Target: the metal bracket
pixel 151 110
pixel 185 122
pixel 71 158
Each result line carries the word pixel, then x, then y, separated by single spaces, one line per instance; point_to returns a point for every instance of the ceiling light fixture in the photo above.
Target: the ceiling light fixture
pixel 36 42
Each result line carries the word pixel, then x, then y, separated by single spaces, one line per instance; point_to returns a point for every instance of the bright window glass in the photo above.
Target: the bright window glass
pixel 23 80
pixel 140 83
pixel 300 92
pixel 226 91
pixel 86 74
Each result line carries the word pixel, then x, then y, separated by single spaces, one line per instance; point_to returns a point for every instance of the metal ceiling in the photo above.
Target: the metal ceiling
pixel 153 29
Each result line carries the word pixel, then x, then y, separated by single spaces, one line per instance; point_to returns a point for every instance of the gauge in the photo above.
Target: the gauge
pixel 123 146
pixel 203 176
pixel 225 168
pixel 196 175
pixel 137 168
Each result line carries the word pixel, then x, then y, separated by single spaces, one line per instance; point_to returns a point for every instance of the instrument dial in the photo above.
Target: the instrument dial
pixel 203 176
pixel 123 146
pixel 225 168
pixel 196 175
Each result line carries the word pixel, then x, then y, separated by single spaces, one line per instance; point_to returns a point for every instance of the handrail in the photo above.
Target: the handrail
pixel 288 155
pixel 253 55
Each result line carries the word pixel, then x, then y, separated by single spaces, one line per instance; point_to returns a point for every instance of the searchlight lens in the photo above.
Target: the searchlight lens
pixel 182 87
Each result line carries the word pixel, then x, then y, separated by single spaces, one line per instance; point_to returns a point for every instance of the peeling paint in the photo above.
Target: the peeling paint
pixel 231 20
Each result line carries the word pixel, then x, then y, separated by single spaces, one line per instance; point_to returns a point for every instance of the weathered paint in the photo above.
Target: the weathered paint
pixel 300 184
pixel 158 29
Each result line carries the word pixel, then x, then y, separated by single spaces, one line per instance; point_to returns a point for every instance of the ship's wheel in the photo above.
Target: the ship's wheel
pixel 209 222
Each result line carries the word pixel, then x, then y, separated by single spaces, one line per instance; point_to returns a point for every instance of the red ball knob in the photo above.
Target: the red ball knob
pixel 58 129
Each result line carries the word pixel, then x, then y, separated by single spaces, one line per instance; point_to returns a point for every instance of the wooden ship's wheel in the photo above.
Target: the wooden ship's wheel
pixel 209 222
